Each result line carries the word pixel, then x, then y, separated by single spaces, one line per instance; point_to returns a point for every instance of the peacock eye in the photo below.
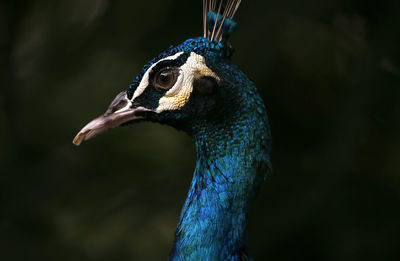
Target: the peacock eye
pixel 166 78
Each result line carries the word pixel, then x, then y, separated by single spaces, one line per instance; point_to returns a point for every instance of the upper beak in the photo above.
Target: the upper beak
pixel 120 111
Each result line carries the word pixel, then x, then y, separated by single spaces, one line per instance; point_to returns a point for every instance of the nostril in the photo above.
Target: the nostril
pixel 118 103
pixel 121 104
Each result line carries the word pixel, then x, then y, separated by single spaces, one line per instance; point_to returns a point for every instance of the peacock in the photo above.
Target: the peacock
pixel 194 87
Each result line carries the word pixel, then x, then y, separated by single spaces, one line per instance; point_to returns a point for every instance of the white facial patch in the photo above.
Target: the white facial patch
pixel 145 80
pixel 194 68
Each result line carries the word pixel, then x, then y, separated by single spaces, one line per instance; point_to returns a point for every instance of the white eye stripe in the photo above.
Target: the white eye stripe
pixel 146 79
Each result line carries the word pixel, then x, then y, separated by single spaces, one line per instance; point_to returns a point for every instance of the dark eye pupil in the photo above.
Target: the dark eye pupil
pixel 165 77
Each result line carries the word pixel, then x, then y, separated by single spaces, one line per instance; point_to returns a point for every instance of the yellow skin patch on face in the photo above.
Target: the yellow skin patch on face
pixel 194 68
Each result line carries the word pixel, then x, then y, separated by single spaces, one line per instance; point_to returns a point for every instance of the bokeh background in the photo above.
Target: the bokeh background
pixel 329 73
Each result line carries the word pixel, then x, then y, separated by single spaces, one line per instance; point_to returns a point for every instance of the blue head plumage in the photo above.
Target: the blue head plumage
pixel 211 50
pixel 226 24
pixel 196 88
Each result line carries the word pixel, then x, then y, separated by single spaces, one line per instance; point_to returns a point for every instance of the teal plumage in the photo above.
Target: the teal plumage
pixel 196 88
pixel 232 159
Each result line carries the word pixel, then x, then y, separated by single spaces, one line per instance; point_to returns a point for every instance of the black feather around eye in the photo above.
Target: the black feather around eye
pixel 205 85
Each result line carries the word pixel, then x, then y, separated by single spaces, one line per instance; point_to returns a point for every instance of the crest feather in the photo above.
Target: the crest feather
pixel 218 20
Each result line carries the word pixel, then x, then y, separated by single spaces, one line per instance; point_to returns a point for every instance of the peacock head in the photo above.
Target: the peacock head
pixel 186 83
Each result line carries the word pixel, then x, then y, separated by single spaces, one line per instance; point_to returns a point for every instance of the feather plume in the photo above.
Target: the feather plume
pixel 218 18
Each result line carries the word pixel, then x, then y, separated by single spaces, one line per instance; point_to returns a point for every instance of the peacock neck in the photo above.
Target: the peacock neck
pixel 232 158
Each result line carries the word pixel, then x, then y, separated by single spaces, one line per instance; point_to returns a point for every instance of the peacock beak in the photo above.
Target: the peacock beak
pixel 120 111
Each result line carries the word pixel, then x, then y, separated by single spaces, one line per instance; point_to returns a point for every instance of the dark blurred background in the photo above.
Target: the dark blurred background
pixel 329 72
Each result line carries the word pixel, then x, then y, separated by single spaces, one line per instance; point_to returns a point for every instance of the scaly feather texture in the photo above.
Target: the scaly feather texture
pixel 232 146
pixel 232 159
pixel 196 88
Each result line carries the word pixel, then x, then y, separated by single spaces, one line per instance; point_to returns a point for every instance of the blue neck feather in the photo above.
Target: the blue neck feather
pixel 232 159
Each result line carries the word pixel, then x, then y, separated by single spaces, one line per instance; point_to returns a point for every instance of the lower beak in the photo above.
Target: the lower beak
pixel 120 111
